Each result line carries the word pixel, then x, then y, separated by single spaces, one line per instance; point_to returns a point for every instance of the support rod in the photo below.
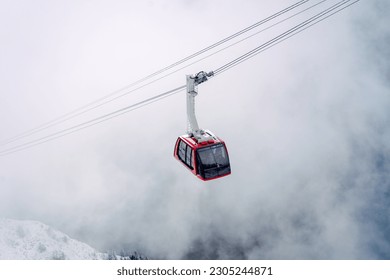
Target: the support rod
pixel 192 91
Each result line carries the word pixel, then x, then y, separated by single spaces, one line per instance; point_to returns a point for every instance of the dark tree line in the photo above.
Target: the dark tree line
pixel 125 255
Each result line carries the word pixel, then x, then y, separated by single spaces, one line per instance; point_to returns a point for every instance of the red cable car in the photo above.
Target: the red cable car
pixel 203 153
pixel 207 160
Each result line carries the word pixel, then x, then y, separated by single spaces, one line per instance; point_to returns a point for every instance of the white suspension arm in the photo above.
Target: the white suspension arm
pixel 192 91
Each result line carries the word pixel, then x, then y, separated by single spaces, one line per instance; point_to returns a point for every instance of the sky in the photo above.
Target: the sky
pixel 305 123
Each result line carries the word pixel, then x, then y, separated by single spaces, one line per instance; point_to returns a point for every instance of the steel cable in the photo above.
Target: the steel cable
pixel 109 98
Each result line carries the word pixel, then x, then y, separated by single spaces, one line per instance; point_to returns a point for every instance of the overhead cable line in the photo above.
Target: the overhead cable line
pixel 109 98
pixel 90 123
pixel 256 33
pixel 336 8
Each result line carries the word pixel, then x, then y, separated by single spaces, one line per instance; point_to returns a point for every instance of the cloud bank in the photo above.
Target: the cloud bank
pixel 306 124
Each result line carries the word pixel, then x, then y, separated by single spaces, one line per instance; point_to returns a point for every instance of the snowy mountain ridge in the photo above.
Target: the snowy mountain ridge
pixel 32 240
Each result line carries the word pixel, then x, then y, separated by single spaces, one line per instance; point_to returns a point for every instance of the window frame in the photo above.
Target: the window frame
pixel 215 171
pixel 188 152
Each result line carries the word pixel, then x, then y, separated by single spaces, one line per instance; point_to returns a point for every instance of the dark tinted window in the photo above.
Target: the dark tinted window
pixel 213 161
pixel 182 151
pixel 188 157
pixel 185 153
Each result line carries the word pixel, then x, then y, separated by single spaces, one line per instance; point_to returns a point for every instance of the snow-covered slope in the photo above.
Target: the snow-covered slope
pixel 31 240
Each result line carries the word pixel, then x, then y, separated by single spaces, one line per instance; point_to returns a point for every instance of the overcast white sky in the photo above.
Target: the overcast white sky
pixel 306 124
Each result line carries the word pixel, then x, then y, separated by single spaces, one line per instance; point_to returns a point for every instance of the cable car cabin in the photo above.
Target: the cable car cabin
pixel 207 160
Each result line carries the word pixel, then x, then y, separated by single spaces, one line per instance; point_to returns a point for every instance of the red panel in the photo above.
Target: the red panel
pixel 191 142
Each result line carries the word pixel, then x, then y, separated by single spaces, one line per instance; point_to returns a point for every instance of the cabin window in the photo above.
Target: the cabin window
pixel 213 161
pixel 188 157
pixel 182 150
pixel 185 154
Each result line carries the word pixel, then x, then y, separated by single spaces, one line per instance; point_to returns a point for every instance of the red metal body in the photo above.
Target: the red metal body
pixel 187 152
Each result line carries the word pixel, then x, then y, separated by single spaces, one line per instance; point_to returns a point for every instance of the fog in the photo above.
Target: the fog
pixel 305 123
